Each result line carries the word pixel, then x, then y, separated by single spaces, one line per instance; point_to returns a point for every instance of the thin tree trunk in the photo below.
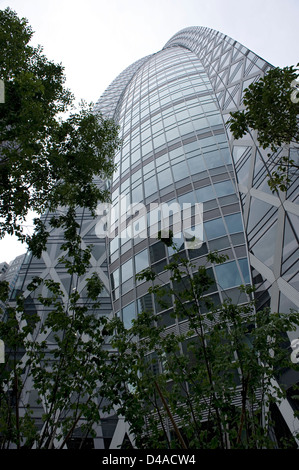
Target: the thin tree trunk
pixel 176 429
pixel 243 413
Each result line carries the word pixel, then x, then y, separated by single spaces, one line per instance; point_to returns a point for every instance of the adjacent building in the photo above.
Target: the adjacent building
pixel 9 273
pixel 12 272
pixel 3 269
pixel 172 108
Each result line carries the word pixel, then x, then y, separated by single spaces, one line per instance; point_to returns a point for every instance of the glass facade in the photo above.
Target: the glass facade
pixel 176 152
pixel 172 108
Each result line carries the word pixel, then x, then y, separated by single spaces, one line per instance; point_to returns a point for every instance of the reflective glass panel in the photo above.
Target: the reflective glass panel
pixel 214 228
pixel 224 188
pixel 150 186
pixel 243 262
pixel 141 261
pixel 128 314
pixel 228 275
pixel 145 303
pixel 115 279
pixel 164 178
pixel 157 252
pixel 234 223
pixel 180 171
pixel 205 194
pixel 127 270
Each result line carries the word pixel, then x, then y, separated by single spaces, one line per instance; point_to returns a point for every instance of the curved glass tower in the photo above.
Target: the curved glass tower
pixel 172 108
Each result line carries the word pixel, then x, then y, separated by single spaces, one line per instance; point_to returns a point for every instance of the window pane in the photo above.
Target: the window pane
pixel 137 194
pixel 164 178
pixel 157 252
pixel 224 188
pixel 150 186
pixel 127 270
pixel 257 212
pixel 234 223
pixel 165 319
pixel 196 164
pixel 141 261
pixel 180 171
pixel 114 245
pixel 115 279
pixel 163 302
pixel 205 194
pixel 187 198
pixel 128 314
pixel 243 262
pixel 213 159
pixel 214 228
pixel 179 242
pixel 136 176
pixel 148 168
pixel 145 303
pixel 228 275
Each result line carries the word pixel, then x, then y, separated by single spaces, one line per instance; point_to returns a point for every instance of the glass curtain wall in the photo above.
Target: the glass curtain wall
pixel 175 151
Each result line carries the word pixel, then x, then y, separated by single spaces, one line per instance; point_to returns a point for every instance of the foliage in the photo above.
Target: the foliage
pixel 50 151
pixel 206 386
pixel 65 371
pixel 53 159
pixel 272 109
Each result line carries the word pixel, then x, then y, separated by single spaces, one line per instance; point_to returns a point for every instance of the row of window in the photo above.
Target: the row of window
pixel 131 111
pixel 213 228
pixel 148 224
pixel 124 276
pixel 158 132
pixel 227 275
pixel 161 70
pixel 120 208
pixel 206 153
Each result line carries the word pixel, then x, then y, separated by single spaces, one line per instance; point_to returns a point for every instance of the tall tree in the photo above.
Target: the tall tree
pixel 64 373
pixel 272 109
pixel 50 153
pixel 53 158
pixel 212 383
pixel 209 385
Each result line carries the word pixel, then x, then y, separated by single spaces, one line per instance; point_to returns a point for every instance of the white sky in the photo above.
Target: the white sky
pixel 96 39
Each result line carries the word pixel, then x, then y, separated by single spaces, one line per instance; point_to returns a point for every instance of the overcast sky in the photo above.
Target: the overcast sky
pixel 96 39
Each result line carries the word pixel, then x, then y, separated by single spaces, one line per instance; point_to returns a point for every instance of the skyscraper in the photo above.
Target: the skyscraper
pixel 172 108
